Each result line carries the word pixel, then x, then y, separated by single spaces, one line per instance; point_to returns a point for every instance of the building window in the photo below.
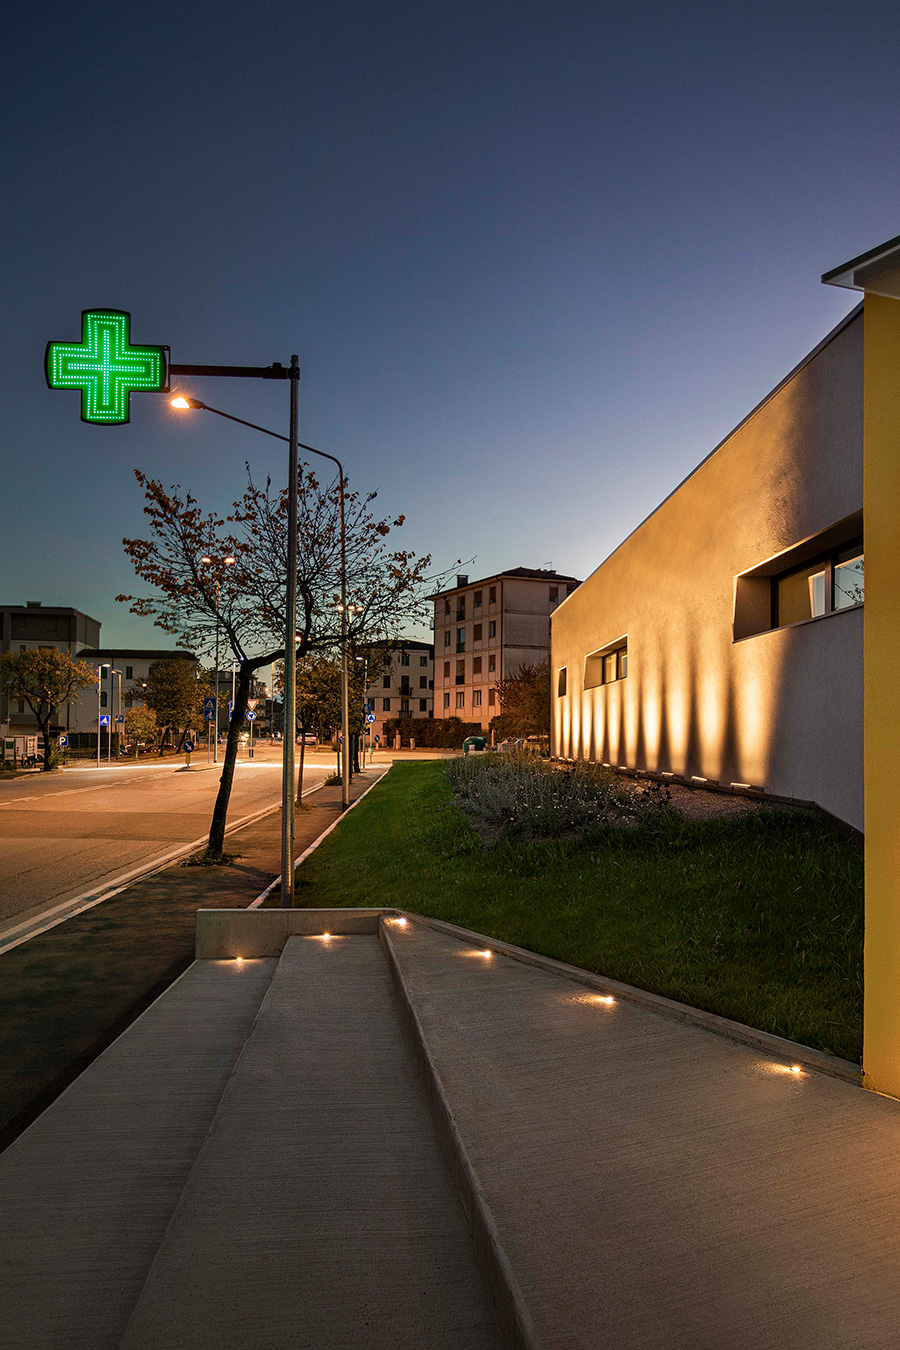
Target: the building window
pixel 446 700
pixel 129 672
pixel 492 664
pixel 554 594
pixel 460 672
pixel 476 665
pixel 492 628
pixel 830 582
pixel 492 697
pixel 385 681
pixel 423 681
pixel 571 586
pixel 460 700
pixel 561 682
pixel 423 661
pixel 492 595
pixel 104 670
pixel 104 698
pixel 423 705
pixel 385 705
pixel 460 639
pixel 21 705
pixel 476 633
pixel 477 600
pixel 404 658
pixel 404 706
pixel 447 606
pixel 476 698
pixel 447 637
pixel 446 670
pixel 605 667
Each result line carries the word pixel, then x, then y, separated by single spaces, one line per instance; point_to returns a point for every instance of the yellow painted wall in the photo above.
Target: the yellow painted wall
pixel 881 1040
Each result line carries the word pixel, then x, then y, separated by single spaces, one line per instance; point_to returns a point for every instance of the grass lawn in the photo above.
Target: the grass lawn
pixel 758 918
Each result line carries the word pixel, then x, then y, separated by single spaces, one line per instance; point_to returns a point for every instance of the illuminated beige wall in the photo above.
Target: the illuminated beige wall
pixel 783 709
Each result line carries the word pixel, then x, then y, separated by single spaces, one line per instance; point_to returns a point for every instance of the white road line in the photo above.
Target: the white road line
pixel 41 923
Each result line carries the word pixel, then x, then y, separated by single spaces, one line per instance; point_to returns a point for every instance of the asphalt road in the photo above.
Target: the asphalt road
pixel 66 834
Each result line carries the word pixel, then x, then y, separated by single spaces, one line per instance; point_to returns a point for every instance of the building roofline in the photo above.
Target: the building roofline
pixel 829 337
pixel 511 574
pixel 887 255
pixel 173 653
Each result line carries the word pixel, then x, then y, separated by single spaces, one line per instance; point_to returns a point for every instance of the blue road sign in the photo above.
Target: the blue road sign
pixel 230 709
pixel 209 714
pixel 188 747
pixel 209 705
pixel 251 716
pixel 121 717
pixel 370 718
pixel 378 740
pixel 63 742
pixel 104 719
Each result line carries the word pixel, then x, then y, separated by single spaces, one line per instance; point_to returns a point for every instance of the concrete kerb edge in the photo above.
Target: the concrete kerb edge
pixel 255 904
pixel 766 1041
pixel 516 1327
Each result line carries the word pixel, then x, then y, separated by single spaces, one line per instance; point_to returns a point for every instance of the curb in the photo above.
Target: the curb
pixel 516 1328
pixel 255 904
pixel 779 1046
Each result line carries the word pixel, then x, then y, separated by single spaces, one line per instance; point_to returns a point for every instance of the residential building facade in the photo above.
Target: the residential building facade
pixel 124 671
pixel 487 630
pixel 34 624
pixel 722 641
pixel 399 682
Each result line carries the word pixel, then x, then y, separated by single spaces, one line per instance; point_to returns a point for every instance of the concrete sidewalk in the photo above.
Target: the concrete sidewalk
pixel 630 1179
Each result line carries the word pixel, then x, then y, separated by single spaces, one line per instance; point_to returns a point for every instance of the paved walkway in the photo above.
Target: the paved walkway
pixel 254 1164
pixel 66 993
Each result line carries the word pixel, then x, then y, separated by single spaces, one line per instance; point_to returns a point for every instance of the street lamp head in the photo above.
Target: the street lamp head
pixel 229 562
pixel 182 402
pixel 206 560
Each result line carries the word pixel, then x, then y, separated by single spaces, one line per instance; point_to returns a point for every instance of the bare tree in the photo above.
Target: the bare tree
pixel 387 587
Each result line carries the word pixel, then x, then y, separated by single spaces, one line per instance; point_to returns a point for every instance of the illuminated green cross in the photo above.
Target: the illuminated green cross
pixel 104 366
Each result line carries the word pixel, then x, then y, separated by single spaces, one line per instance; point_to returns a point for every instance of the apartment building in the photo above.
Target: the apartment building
pixel 37 625
pixel 400 682
pixel 488 629
pixel 123 670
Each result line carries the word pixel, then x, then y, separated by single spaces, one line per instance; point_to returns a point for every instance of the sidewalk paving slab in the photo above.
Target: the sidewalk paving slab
pixel 86 1193
pixel 655 1186
pixel 320 1212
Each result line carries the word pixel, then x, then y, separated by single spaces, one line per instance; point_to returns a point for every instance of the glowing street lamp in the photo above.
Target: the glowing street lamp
pixel 182 402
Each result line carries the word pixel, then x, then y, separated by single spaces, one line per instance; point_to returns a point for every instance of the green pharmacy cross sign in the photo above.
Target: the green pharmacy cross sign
pixel 105 366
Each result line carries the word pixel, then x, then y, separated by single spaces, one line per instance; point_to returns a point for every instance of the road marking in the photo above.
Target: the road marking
pixel 108 787
pixel 67 909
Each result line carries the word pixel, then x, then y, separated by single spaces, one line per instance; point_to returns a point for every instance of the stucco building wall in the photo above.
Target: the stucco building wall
pixel 782 708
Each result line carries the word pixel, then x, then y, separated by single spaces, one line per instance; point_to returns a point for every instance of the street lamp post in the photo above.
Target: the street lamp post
pixel 182 401
pixel 226 562
pixel 118 714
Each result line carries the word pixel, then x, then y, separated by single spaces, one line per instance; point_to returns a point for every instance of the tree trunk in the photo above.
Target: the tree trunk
pixel 45 737
pixel 216 841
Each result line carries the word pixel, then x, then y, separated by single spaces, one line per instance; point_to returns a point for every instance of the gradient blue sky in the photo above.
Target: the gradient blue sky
pixel 536 259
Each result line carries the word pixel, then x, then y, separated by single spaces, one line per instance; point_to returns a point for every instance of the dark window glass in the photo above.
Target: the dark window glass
pixel 554 594
pixel 423 705
pixel 476 665
pixel 104 698
pixel 129 672
pixel 385 705
pixel 561 683
pixel 423 660
pixel 447 638
pixel 477 600
pixel 492 697
pixel 385 681
pixel 492 595
pixel 446 700
pixel 492 628
pixel 492 663
pixel 446 670
pixel 476 633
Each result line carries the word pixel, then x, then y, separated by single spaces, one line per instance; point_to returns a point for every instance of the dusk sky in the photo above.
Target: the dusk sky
pixel 536 260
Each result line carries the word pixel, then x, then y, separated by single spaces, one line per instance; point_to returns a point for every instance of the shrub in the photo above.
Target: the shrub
pixel 439 733
pixel 517 794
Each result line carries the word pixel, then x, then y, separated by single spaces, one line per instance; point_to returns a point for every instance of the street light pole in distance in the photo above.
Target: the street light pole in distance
pixel 226 562
pixel 195 404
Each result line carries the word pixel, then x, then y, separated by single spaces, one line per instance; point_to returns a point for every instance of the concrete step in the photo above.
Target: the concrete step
pixel 87 1192
pixel 320 1211
pixel 656 1186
